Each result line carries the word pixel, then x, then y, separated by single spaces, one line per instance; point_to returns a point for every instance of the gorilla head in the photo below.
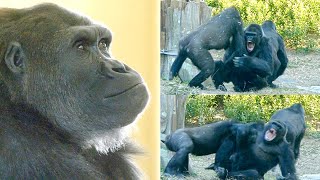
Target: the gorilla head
pixel 275 132
pixel 56 69
pixel 253 34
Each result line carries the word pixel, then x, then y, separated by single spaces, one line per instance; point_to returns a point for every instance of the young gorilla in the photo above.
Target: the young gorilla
pixel 223 31
pixel 264 62
pixel 64 101
pixel 199 141
pixel 279 142
pixel 241 137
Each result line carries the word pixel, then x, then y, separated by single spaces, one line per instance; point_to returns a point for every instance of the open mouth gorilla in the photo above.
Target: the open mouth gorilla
pixel 251 39
pixel 272 131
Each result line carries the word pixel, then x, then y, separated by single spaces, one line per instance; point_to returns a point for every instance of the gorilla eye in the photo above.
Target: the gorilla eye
pixel 80 45
pixel 103 45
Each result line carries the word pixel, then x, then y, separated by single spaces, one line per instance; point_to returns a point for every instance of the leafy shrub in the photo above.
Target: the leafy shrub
pixel 200 109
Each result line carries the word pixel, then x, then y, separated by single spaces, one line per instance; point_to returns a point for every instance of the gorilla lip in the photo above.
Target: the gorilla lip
pixel 270 134
pixel 123 92
pixel 250 46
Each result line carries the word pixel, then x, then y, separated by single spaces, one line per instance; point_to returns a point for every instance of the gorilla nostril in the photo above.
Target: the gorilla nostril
pixel 119 70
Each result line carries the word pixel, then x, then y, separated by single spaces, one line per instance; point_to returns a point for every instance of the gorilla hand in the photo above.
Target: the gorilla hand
pixel 240 62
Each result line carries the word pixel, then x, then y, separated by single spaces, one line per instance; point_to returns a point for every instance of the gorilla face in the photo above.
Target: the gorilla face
pixel 274 132
pixel 95 90
pixel 251 38
pixel 68 75
pixel 109 89
pixel 253 34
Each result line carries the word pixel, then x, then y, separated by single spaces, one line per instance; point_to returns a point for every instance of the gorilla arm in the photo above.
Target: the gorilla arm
pixel 260 64
pixel 286 163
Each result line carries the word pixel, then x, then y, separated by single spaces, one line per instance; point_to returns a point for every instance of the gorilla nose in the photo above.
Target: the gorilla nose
pixel 119 69
pixel 112 68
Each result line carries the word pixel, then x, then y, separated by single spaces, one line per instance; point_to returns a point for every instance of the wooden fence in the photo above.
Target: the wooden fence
pixel 177 19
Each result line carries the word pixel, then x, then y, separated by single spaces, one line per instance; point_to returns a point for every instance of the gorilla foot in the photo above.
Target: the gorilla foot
pixel 221 172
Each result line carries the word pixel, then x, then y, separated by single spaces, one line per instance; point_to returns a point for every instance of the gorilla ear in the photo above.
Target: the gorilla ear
pixel 15 58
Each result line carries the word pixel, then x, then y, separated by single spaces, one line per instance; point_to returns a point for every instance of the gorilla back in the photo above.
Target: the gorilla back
pixel 223 31
pixel 64 101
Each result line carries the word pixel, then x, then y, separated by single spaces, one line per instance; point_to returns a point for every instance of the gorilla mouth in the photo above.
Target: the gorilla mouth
pixel 125 91
pixel 250 46
pixel 270 134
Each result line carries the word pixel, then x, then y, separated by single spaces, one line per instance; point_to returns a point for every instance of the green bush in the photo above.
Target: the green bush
pixel 249 108
pixel 200 109
pixel 297 21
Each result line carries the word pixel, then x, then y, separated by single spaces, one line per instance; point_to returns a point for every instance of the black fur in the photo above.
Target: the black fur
pixel 242 136
pixel 284 149
pixel 199 141
pixel 223 31
pixel 259 67
pixel 64 100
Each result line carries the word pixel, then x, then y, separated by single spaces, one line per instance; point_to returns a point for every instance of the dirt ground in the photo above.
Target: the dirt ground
pixel 300 77
pixel 308 163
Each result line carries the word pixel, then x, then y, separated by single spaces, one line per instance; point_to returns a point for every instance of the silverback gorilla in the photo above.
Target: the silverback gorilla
pixel 199 141
pixel 279 142
pixel 223 31
pixel 64 101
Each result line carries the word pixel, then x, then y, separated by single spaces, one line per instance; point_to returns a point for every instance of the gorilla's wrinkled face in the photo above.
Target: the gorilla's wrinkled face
pixel 87 92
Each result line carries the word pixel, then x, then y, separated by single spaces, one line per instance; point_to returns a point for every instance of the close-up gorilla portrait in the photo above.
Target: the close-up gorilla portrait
pixel 66 104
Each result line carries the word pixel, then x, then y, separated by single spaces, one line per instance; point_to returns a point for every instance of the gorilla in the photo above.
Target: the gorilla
pixel 265 60
pixel 65 102
pixel 242 136
pixel 278 143
pixel 198 141
pixel 223 31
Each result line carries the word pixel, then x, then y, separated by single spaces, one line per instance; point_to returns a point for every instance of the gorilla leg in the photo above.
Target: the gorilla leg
pixel 297 146
pixel 177 64
pixel 203 60
pixel 222 162
pixel 220 75
pixel 178 165
pixel 282 56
